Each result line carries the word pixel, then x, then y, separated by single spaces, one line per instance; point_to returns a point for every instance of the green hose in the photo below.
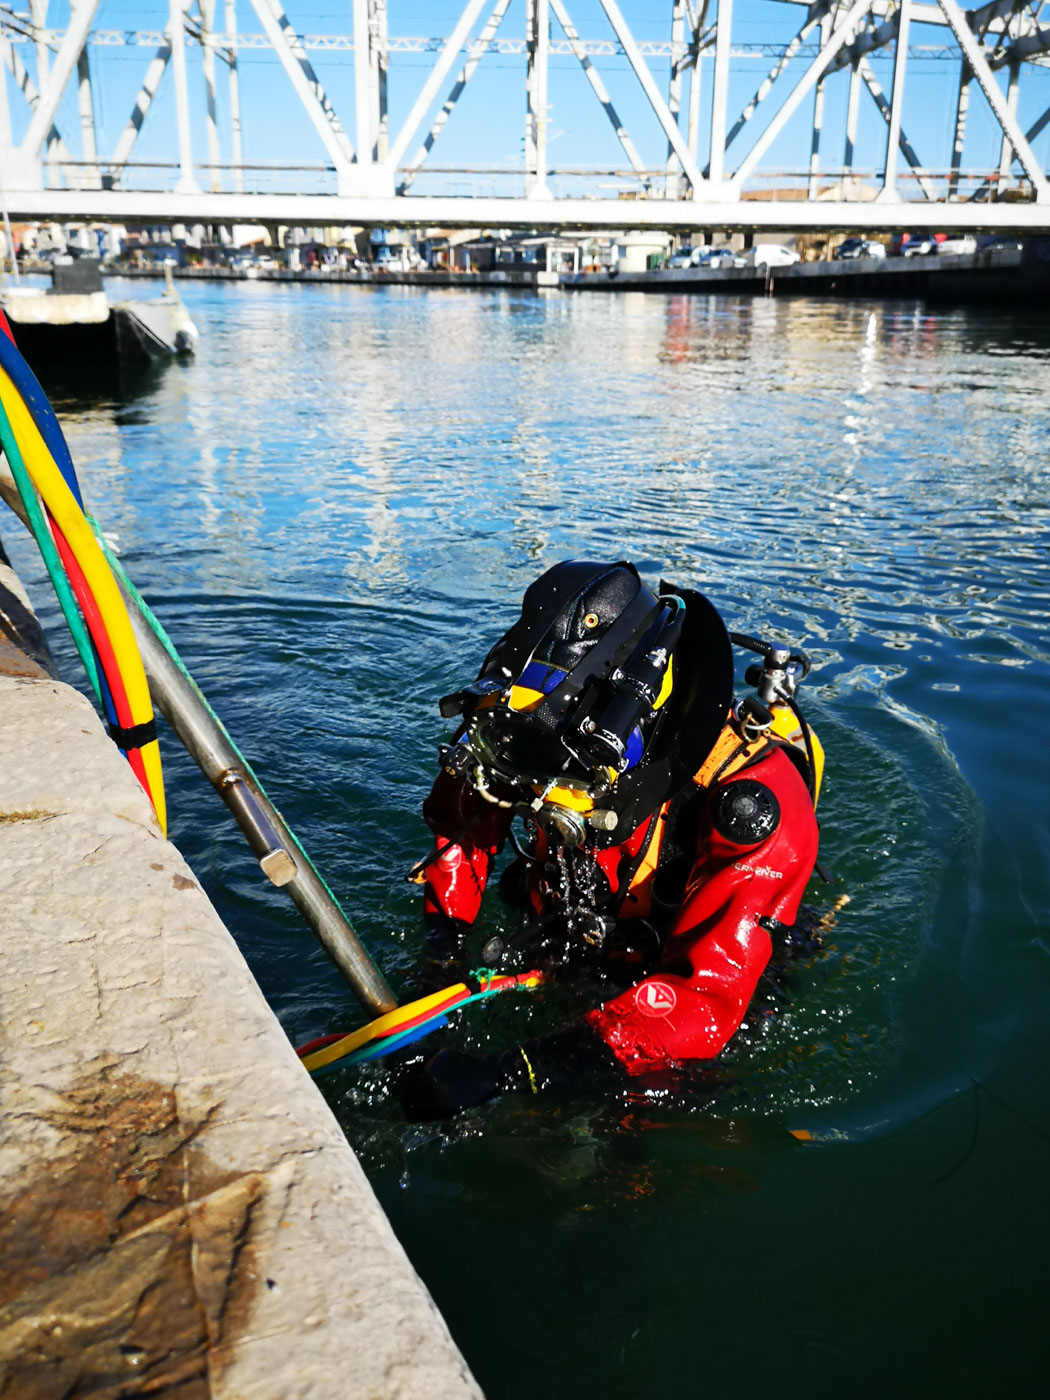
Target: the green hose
pixel 169 646
pixel 52 562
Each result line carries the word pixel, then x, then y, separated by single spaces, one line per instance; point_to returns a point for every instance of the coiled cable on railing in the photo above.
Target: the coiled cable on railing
pixel 78 569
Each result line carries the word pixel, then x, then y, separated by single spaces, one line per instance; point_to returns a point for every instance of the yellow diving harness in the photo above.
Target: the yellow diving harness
pixel 743 738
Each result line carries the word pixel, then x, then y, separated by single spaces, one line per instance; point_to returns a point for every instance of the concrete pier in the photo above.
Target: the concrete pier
pixel 180 1213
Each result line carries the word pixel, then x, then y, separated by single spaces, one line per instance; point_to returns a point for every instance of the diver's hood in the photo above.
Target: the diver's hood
pixel 581 622
pixel 574 609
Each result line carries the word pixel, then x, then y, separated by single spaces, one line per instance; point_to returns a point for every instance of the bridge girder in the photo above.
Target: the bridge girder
pixel 375 173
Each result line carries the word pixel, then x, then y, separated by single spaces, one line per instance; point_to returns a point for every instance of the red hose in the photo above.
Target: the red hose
pixel 97 628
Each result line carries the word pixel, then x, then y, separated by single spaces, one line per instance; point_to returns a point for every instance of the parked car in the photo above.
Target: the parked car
pixel 920 247
pixel 1001 243
pixel 860 248
pixel 685 257
pixel 956 244
pixel 724 257
pixel 772 255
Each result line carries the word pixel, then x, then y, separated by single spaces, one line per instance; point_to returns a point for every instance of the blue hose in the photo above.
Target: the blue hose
pixel 40 410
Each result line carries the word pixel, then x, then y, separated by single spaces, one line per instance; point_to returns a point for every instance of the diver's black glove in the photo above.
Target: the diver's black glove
pixel 444 952
pixel 448 1082
pixel 574 1059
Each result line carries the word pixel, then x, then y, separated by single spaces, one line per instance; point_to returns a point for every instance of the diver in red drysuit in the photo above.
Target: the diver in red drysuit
pixel 718 836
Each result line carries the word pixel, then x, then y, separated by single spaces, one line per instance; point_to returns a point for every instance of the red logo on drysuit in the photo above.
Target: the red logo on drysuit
pixel 655 999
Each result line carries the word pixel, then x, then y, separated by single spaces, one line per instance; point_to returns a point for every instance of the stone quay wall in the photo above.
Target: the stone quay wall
pixel 180 1213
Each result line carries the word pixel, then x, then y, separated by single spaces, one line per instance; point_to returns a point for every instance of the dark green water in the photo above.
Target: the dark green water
pixel 334 509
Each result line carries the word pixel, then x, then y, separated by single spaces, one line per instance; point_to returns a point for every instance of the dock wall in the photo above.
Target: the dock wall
pixel 179 1211
pixel 527 279
pixel 996 277
pixel 992 277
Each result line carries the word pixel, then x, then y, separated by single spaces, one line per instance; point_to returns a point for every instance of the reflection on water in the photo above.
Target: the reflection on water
pixel 335 509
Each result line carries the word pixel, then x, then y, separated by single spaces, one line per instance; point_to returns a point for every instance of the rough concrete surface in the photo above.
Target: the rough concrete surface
pixel 23 649
pixel 180 1214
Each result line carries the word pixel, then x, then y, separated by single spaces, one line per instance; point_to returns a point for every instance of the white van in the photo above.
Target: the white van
pixel 772 255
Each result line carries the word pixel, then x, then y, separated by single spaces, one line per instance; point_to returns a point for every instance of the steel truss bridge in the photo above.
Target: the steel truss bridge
pixel 713 175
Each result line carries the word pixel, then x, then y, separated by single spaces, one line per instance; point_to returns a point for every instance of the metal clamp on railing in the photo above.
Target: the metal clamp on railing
pixel 277 862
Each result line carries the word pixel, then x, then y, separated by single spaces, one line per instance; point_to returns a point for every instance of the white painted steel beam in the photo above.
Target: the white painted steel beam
pixel 86 104
pixel 598 87
pixel 1027 46
pixel 1014 33
pixel 992 91
pixel 186 183
pixel 363 85
pixel 962 109
pixel 377 48
pixel 1006 151
pixel 867 42
pixel 143 101
pixel 813 188
pixel 1036 129
pixel 312 96
pixel 674 92
pixel 477 52
pixel 6 57
pixel 28 89
pixel 720 95
pixel 907 150
pixel 435 78
pixel 65 62
pixel 843 29
pixel 38 17
pixel 207 12
pixel 543 34
pixel 893 134
pixel 651 91
pixel 234 90
pixel 765 87
pixel 852 113
pixel 123 206
pixel 696 74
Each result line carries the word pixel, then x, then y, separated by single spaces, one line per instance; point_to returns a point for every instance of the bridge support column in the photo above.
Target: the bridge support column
pixel 852 112
pixel 1006 152
pixel 537 41
pixel 236 149
pixel 38 14
pixel 695 84
pixel 377 39
pixel 207 9
pixel 718 100
pixel 818 116
pixel 90 177
pixel 674 92
pixel 187 183
pixel 888 193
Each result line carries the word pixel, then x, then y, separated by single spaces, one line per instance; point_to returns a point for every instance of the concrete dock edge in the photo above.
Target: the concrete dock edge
pixel 180 1212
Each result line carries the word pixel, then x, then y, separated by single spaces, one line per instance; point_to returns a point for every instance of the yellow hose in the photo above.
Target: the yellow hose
pixel 62 504
pixel 384 1025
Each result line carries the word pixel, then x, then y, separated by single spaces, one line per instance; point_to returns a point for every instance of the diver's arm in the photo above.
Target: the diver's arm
pixel 468 832
pixel 718 948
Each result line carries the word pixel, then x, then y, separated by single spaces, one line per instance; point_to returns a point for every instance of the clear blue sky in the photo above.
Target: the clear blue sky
pixel 486 128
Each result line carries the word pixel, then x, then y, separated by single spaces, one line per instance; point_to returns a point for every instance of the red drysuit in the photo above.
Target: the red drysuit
pixel 717 944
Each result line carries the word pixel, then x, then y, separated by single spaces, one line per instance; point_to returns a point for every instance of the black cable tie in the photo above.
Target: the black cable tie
pixel 137 736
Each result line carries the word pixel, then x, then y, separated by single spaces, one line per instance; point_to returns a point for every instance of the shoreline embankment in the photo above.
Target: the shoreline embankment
pixel 1011 276
pixel 179 1209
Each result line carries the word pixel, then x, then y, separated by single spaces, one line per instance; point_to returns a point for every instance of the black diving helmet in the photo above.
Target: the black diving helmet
pixel 566 701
